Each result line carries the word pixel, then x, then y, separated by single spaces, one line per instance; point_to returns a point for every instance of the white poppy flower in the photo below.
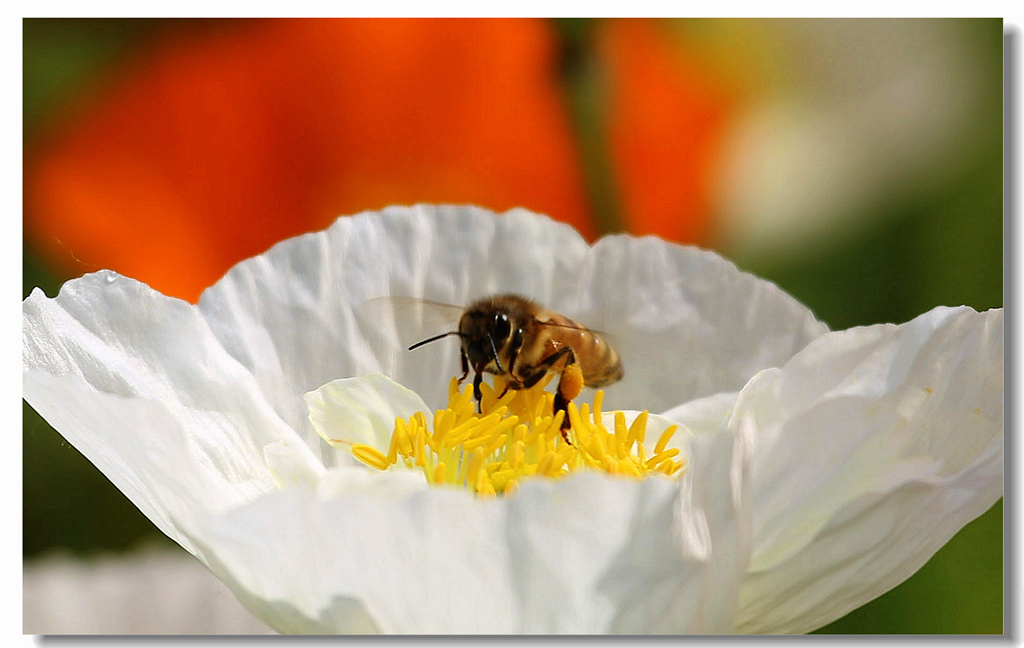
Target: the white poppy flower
pixel 821 468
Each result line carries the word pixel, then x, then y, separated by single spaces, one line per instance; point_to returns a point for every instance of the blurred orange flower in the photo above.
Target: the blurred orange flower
pixel 213 144
pixel 667 118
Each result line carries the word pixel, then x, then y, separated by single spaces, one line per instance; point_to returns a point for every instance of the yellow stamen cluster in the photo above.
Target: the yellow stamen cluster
pixel 516 436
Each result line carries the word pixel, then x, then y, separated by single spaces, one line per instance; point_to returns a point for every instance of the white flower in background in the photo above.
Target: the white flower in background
pixel 147 590
pixel 821 468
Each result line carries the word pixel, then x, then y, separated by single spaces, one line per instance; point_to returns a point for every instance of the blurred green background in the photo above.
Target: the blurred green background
pixel 923 227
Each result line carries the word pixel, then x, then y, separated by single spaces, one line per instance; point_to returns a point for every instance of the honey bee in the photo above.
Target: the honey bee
pixel 513 337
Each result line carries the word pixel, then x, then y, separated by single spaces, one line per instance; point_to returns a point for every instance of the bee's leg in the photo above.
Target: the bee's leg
pixel 562 404
pixel 465 366
pixel 534 378
pixel 513 380
pixel 477 378
pixel 569 385
pixel 514 383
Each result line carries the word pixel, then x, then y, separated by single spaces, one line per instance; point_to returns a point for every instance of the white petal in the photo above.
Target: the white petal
pixel 682 438
pixel 712 533
pixel 704 415
pixel 689 323
pixel 589 553
pixel 289 462
pixel 295 315
pixel 359 480
pixel 140 386
pixel 686 322
pixel 360 410
pixel 148 453
pixel 874 447
pixel 149 591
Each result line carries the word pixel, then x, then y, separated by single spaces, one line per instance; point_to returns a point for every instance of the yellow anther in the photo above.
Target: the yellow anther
pixel 440 471
pixel 419 446
pixel 662 456
pixel 404 442
pixel 517 436
pixel 501 478
pixel 495 444
pixel 575 420
pixel 442 419
pixel 670 467
pixel 628 468
pixel 517 455
pixel 505 400
pixel 393 446
pixel 370 456
pixel 483 485
pixel 421 419
pixel 476 462
pixel 474 442
pixel 621 431
pixel 562 458
pixel 664 438
pixel 596 448
pixel 639 428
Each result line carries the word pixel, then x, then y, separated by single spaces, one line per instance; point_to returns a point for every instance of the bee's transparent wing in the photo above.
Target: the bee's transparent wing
pixel 412 317
pixel 604 335
pixel 390 325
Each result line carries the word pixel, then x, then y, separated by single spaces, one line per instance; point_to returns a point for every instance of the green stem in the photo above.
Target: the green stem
pixel 587 89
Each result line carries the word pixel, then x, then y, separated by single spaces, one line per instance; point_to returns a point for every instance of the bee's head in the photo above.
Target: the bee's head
pixel 484 333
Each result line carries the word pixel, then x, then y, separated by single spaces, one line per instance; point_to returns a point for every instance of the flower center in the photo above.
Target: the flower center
pixel 515 436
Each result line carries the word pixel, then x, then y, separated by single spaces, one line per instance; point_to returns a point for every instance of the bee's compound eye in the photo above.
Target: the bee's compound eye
pixel 501 326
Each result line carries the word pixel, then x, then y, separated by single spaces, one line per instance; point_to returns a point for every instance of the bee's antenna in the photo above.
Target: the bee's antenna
pixel 432 339
pixel 495 352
